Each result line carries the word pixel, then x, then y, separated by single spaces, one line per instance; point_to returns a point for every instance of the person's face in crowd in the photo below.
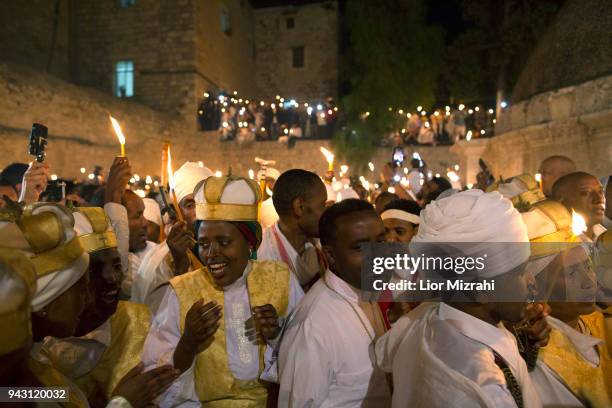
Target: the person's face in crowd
pixel 104 288
pixel 188 207
pixel 399 230
pixel 9 192
pixel 223 250
pixel 137 222
pixel 63 314
pixel 551 171
pixel 574 284
pixel 153 232
pixel 587 198
pixel 519 284
pixel 345 253
pixel 310 208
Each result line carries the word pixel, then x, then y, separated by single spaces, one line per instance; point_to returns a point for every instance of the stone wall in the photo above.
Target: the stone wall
pixel 316 29
pixel 575 121
pixel 225 59
pixel 81 135
pixel 26 34
pixel 158 36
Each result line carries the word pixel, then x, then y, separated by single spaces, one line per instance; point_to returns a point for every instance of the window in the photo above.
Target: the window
pixel 290 22
pixel 124 79
pixel 226 26
pixel 297 57
pixel 126 3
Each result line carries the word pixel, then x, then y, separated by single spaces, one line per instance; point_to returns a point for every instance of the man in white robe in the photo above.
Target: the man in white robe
pixel 160 265
pixel 299 199
pixel 326 353
pixel 445 354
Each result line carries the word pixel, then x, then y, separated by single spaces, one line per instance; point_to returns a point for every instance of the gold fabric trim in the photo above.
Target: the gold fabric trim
pixel 57 258
pixel 96 217
pixel 98 241
pixel 226 212
pixel 43 231
pixel 267 282
pixel 15 325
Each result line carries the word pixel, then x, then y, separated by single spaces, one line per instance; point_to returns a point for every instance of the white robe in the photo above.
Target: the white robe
pixel 130 261
pixel 442 357
pixel 154 271
pixel 243 356
pixel 78 356
pixel 304 267
pixel 550 387
pixel 326 355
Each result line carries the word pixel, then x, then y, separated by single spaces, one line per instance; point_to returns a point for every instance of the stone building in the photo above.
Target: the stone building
pixel 561 104
pixel 167 53
pixel 296 51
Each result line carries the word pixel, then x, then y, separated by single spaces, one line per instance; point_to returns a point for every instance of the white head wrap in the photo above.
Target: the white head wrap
pixel 400 215
pixel 475 219
pixel 187 177
pixel 346 193
pixel 152 212
pixel 51 285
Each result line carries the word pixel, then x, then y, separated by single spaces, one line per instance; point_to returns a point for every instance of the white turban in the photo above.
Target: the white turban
pixel 187 177
pixel 50 285
pixel 475 219
pixel 152 212
pixel 346 193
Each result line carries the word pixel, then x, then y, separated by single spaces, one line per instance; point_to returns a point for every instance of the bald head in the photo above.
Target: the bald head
pixel 552 168
pixel 582 192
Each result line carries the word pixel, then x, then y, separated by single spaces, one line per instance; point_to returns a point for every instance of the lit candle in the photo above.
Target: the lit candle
pixel 329 156
pixel 179 212
pixel 119 134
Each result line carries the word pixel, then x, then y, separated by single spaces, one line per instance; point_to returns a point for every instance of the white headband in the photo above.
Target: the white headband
pixel 401 215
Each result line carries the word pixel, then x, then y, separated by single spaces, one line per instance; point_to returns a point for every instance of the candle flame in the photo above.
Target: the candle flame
pixel 329 156
pixel 170 173
pixel 117 130
pixel 578 223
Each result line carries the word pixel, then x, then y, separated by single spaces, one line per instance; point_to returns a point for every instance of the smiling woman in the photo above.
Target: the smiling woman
pixel 225 315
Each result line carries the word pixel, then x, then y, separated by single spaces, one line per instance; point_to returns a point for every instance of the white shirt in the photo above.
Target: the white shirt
pixel 243 356
pixel 442 357
pixel 549 385
pixel 325 357
pixel 153 272
pixel 130 261
pixel 304 266
pixel 78 356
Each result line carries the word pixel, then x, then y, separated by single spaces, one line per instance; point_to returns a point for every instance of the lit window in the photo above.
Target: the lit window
pixel 226 27
pixel 124 79
pixel 290 22
pixel 126 3
pixel 297 57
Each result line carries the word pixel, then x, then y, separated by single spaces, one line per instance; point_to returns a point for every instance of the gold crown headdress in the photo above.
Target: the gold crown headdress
pixel 549 224
pixel 208 194
pixel 18 279
pixel 524 200
pixel 101 237
pixel 45 233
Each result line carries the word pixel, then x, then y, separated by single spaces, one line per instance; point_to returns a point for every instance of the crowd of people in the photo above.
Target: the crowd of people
pixel 231 292
pixel 287 121
pixel 283 120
